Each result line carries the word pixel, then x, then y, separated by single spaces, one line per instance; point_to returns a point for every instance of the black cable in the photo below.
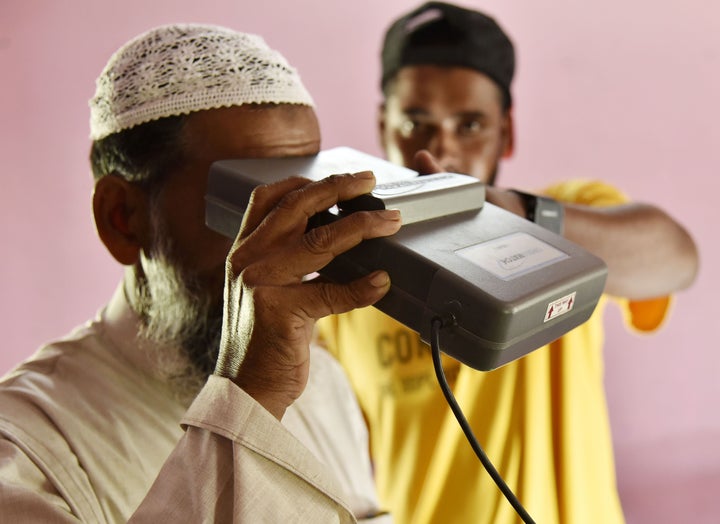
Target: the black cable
pixel 437 324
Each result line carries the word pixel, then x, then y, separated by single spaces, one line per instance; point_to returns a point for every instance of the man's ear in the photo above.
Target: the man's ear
pixel 121 217
pixel 508 134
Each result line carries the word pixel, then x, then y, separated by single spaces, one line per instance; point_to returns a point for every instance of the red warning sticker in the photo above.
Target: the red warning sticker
pixel 560 306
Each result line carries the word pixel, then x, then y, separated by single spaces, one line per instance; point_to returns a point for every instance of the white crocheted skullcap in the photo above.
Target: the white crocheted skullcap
pixel 177 69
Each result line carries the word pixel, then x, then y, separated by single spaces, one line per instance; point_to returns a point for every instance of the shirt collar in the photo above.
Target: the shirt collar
pixel 121 326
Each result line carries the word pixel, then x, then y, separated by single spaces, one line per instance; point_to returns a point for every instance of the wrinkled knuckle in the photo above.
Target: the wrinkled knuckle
pixel 318 240
pixel 328 297
pixel 361 295
pixel 335 179
pixel 260 194
pixel 360 222
pixel 353 296
pixel 363 219
pixel 291 201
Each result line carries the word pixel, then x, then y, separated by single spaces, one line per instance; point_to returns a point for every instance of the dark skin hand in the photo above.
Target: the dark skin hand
pixel 270 310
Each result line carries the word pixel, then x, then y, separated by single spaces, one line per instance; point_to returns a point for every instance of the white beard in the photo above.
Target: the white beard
pixel 180 320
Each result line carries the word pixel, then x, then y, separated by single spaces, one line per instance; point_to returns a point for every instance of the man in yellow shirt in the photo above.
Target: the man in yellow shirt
pixel 447 73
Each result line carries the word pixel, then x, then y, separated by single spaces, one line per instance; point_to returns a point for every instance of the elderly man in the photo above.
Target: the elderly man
pixel 90 426
pixel 447 74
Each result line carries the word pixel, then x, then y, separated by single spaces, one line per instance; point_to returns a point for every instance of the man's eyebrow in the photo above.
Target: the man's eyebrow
pixel 470 113
pixel 416 111
pixel 473 113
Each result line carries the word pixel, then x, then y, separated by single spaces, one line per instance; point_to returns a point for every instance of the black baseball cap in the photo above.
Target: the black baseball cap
pixel 442 34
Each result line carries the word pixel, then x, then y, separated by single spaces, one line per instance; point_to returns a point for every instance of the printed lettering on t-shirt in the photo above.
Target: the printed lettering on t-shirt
pixel 400 347
pixel 408 364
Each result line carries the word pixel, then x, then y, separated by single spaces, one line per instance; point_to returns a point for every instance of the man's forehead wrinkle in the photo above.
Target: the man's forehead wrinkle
pixel 282 150
pixel 239 132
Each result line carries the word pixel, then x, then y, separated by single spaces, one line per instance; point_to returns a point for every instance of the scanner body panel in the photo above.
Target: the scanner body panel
pixel 507 285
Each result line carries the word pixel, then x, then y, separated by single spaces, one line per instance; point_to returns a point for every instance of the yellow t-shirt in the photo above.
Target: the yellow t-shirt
pixel 542 419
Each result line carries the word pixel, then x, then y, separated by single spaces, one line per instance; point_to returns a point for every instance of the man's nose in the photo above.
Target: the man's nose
pixel 444 146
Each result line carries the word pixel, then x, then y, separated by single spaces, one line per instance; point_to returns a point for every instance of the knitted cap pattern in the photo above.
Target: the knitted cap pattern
pixel 178 69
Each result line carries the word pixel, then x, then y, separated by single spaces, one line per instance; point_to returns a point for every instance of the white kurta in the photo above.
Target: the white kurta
pixel 85 428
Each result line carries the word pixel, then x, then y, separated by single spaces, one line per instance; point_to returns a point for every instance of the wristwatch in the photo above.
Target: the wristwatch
pixel 544 211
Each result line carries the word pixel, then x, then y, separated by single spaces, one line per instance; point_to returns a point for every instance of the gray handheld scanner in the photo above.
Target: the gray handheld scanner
pixel 509 285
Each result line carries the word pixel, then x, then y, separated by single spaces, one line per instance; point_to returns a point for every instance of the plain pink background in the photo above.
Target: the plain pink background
pixel 622 90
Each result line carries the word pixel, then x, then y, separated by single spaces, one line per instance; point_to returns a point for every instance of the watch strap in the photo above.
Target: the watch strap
pixel 544 211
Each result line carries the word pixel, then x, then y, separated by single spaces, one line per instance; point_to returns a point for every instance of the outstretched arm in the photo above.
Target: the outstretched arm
pixel 648 253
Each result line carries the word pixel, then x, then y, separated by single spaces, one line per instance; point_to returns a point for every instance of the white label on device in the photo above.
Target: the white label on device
pixel 560 306
pixel 423 184
pixel 513 255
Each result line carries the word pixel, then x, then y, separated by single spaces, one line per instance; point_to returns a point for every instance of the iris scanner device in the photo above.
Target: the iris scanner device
pixel 503 286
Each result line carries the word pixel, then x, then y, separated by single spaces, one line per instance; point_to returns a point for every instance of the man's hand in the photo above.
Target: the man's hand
pixel 426 164
pixel 269 310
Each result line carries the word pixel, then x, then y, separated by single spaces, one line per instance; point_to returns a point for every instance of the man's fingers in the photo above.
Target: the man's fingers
pixel 291 202
pixel 339 298
pixel 314 249
pixel 318 299
pixel 426 164
pixel 343 234
pixel 279 242
pixel 266 197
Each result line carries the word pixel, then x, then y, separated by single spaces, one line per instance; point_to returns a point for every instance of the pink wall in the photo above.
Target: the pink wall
pixel 624 90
